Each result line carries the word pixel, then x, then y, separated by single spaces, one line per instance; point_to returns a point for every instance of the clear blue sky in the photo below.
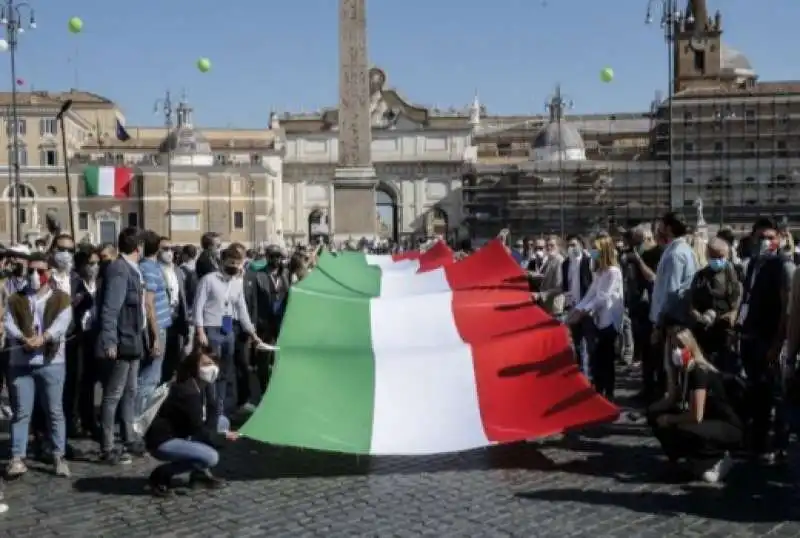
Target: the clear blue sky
pixel 283 54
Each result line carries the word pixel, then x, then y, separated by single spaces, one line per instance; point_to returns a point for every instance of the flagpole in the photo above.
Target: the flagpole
pixel 60 117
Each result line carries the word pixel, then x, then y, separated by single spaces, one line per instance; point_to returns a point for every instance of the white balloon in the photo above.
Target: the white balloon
pixel 3 45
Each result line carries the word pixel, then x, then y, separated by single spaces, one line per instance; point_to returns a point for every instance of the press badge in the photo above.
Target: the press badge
pixel 227 324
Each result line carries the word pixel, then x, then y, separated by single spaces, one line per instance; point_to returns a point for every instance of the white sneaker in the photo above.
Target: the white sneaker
pixel 719 470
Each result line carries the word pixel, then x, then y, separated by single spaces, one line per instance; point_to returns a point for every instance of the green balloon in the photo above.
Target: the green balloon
pixel 204 65
pixel 607 74
pixel 75 25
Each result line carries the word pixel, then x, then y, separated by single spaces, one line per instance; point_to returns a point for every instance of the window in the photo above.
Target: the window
pixel 23 215
pixel 133 219
pixel 718 147
pixel 780 147
pixel 687 118
pixel 750 179
pixel 83 221
pixel 688 180
pixel 22 127
pixel 688 147
pixel 48 126
pixel 23 155
pixel 186 222
pixel 238 220
pixel 48 157
pixel 700 61
pixel 750 117
pixel 185 187
pixel 236 186
pixel 220 158
pixel 51 190
pixel 255 158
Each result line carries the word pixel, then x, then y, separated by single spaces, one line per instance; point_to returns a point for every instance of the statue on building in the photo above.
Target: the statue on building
pixel 379 112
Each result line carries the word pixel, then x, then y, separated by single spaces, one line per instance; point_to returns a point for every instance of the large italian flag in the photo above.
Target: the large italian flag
pixel 107 181
pixel 418 364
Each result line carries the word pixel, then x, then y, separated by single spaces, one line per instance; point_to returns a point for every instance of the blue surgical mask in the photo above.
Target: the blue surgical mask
pixel 717 264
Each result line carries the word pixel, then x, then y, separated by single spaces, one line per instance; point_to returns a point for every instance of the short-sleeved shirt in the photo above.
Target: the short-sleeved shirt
pixel 717 406
pixel 155 282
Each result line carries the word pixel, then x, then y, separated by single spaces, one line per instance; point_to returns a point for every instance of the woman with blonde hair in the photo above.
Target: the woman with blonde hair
pixel 697 420
pixel 699 246
pixel 603 301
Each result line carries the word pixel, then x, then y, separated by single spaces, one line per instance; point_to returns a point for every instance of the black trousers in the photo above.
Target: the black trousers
pixel 173 352
pixel 651 357
pixel 761 390
pixel 72 383
pixel 706 441
pixel 602 360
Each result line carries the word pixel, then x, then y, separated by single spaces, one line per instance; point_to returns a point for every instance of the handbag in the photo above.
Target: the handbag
pixel 142 423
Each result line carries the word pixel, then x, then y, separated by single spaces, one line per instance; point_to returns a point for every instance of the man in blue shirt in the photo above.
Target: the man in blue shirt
pixel 159 318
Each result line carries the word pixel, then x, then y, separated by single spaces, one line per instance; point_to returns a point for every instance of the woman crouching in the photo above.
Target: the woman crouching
pixel 695 421
pixel 184 434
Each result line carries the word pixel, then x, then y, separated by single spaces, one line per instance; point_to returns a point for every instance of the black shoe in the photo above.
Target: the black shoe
pixel 207 480
pixel 159 487
pixel 115 457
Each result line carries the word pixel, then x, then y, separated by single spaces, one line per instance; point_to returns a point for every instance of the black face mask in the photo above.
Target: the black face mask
pixel 231 270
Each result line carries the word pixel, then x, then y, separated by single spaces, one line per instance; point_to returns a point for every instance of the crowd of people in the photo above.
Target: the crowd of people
pixel 126 319
pixel 712 324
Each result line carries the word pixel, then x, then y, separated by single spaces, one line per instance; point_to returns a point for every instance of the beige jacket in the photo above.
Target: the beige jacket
pixel 551 294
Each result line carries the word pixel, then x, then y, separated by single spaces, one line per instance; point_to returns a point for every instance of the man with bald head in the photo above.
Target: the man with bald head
pixel 714 300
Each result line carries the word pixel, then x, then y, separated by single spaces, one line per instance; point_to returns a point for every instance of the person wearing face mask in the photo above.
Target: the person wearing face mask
pixel 82 367
pixel 576 278
pixel 713 301
pixel 549 294
pixel 209 260
pixel 63 252
pixel 121 325
pixel 219 295
pixel 184 433
pixel 761 322
pixel 36 321
pixel 699 420
pixel 178 331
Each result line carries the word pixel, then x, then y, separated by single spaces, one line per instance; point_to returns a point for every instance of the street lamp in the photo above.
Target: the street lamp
pixel 164 105
pixel 11 16
pixel 671 19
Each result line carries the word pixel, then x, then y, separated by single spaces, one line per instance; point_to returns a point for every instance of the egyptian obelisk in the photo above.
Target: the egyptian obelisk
pixel 354 212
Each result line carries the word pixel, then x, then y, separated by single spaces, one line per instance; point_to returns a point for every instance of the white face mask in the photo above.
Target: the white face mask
pixel 539 254
pixel 209 374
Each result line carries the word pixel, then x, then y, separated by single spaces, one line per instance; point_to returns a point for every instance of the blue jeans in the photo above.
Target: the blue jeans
pixel 224 346
pixel 119 391
pixel 150 374
pixel 183 456
pixel 24 383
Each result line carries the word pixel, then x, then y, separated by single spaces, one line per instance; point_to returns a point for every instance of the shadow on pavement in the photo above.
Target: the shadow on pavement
pixel 113 485
pixel 250 460
pixel 771 503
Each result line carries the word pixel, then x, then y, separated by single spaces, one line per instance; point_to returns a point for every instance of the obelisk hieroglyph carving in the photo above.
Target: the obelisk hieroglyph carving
pixel 354 211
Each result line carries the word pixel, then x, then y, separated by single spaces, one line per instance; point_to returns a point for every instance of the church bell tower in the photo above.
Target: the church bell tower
pixel 698 48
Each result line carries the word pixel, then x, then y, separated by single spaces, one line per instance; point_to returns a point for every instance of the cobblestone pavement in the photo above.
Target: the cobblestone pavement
pixel 609 482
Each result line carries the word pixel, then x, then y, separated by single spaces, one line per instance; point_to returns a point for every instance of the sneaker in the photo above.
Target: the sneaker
pixel 247 409
pixel 136 450
pixel 718 470
pixel 16 468
pixel 61 468
pixel 206 479
pixel 114 457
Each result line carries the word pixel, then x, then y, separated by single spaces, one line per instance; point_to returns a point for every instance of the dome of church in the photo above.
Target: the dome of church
pixel 733 60
pixel 187 145
pixel 558 140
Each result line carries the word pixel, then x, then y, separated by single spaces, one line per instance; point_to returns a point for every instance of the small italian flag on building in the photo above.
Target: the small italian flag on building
pixel 108 181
